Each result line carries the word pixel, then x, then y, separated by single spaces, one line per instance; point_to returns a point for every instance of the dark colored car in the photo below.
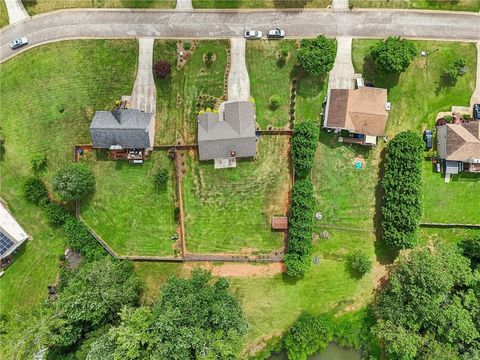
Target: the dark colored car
pixel 428 138
pixel 476 111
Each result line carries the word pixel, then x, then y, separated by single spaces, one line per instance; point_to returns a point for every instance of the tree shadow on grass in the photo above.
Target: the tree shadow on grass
pixel 384 253
pixel 373 74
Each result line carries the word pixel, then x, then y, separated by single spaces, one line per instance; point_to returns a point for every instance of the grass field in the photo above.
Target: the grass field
pixel 311 92
pixel 177 94
pixel 454 5
pixel 127 211
pixel 82 76
pixel 268 78
pixel 237 4
pixel 35 7
pixel 3 14
pixel 229 210
pixel 454 202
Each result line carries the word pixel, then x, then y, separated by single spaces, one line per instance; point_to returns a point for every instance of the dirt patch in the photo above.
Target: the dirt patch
pixel 238 270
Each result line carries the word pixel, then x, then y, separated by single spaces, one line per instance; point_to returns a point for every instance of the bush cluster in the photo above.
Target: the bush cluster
pixel 316 56
pixel 34 190
pixel 402 190
pixel 80 239
pixel 393 55
pixel 162 69
pixel 160 179
pixel 74 181
pixel 300 229
pixel 358 264
pixel 55 213
pixel 304 145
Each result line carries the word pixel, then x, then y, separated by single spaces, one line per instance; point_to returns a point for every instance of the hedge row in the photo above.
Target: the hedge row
pixel 304 145
pixel 402 190
pixel 80 239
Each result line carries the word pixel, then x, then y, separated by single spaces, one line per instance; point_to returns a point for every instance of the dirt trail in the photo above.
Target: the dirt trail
pixel 238 270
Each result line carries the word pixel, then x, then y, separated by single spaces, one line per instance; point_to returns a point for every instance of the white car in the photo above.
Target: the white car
pixel 253 34
pixel 276 33
pixel 15 44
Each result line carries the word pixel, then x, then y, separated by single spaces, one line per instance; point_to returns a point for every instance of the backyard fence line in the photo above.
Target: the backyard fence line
pixel 176 147
pixel 345 228
pixel 449 225
pixel 178 178
pixel 275 132
pixel 99 239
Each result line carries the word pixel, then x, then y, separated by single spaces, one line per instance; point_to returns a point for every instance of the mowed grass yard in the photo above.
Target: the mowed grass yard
pixel 35 7
pixel 3 14
pixel 177 94
pixel 229 210
pixel 452 5
pixel 238 4
pixel 82 76
pixel 127 211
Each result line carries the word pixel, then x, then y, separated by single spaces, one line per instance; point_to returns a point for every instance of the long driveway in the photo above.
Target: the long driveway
pixel 16 11
pixel 127 23
pixel 238 80
pixel 144 94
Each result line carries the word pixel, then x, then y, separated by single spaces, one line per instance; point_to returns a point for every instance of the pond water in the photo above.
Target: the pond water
pixel 332 352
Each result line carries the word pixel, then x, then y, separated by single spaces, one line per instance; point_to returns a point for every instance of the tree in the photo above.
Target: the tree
pixel 274 102
pixel 316 56
pixel 38 161
pixel 430 305
pixel 74 181
pixel 471 249
pixel 193 319
pixel 308 335
pixel 161 178
pixel 393 55
pixel 304 145
pixel 451 74
pixel 162 69
pixel 34 190
pixel 56 214
pixel 358 264
pixel 402 190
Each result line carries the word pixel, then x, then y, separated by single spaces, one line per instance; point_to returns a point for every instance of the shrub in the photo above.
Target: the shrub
pixel 80 239
pixel 453 72
pixel 187 45
pixel 393 55
pixel 402 190
pixel 282 56
pixel 161 178
pixel 34 190
pixel 316 56
pixel 304 145
pixel 209 57
pixel 74 181
pixel 56 214
pixel 358 264
pixel 38 161
pixel 297 265
pixel 162 69
pixel 274 102
pixel 309 334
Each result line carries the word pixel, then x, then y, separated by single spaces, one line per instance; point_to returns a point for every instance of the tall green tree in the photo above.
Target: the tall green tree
pixel 393 55
pixel 316 56
pixel 74 181
pixel 304 145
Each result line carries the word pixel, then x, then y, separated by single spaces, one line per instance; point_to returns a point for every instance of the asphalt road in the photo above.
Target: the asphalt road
pixel 126 23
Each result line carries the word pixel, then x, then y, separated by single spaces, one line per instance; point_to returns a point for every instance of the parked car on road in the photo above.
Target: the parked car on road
pixel 253 34
pixel 15 44
pixel 276 33
pixel 476 111
pixel 428 138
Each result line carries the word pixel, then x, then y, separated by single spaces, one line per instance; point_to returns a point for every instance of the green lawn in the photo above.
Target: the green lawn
pixel 127 211
pixel 35 7
pixel 268 77
pixel 237 4
pixel 177 95
pixel 230 209
pixel 418 94
pixel 3 14
pixel 455 202
pixel 82 76
pixel 427 235
pixel 455 5
pixel 311 92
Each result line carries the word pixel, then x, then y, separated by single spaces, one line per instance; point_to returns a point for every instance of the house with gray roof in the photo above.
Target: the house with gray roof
pixel 228 133
pixel 123 129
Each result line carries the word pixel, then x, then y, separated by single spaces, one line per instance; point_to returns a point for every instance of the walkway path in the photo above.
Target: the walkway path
pixel 144 94
pixel 184 5
pixel 476 93
pixel 16 11
pixel 222 24
pixel 238 80
pixel 341 76
pixel 340 5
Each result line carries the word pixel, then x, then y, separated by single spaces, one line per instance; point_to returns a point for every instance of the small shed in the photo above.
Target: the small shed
pixel 279 223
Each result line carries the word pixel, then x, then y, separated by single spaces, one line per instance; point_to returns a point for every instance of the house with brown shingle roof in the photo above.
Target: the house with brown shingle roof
pixel 458 146
pixel 362 112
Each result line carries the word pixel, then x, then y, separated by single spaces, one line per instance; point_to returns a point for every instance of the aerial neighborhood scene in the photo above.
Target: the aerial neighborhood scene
pixel 240 179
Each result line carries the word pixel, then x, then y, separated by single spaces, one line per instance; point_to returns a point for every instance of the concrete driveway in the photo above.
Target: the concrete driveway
pixel 341 76
pixel 222 24
pixel 184 5
pixel 16 11
pixel 144 94
pixel 476 93
pixel 238 80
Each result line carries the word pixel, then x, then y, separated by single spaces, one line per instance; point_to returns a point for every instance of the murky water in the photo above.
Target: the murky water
pixel 332 352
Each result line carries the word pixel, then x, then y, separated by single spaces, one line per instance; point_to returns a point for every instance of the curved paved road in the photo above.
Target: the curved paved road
pixel 126 23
